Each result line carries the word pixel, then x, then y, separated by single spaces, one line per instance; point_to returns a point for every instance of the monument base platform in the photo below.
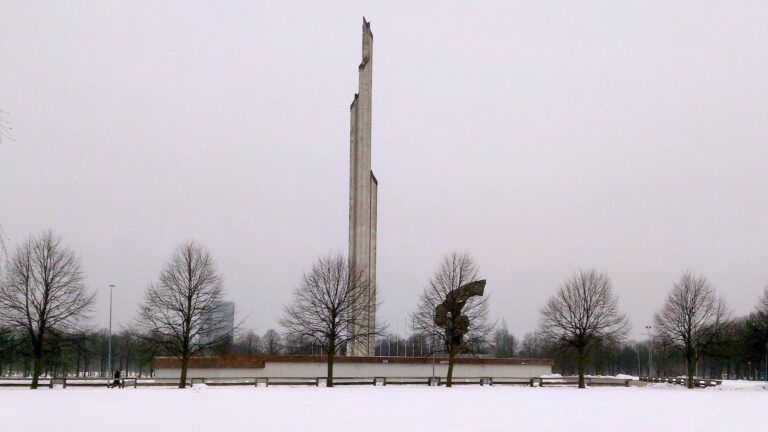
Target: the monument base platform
pixel 299 366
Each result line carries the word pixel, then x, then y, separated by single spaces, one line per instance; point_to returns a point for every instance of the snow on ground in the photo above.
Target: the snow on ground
pixel 623 376
pixel 742 385
pixel 727 385
pixel 373 409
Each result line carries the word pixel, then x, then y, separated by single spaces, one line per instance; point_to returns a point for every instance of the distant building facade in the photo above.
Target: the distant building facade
pixel 221 323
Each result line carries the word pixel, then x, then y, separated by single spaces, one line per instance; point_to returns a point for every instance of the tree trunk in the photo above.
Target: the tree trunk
pixel 329 379
pixel 691 363
pixel 37 352
pixel 36 372
pixel 451 360
pixel 184 364
pixel 581 360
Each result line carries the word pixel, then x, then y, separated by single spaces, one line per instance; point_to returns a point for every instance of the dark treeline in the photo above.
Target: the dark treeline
pixel 740 352
pixel 85 354
pixel 82 354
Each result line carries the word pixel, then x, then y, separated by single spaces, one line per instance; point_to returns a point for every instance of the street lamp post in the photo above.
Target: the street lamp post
pixel 109 345
pixel 650 345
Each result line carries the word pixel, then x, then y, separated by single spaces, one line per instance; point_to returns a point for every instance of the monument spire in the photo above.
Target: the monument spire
pixel 363 188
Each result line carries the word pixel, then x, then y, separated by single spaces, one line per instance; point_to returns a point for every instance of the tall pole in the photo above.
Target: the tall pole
pixel 432 353
pixel 648 331
pixel 405 329
pixel 109 349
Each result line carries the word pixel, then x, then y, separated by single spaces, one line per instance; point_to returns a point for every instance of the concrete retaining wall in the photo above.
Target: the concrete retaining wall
pixel 363 370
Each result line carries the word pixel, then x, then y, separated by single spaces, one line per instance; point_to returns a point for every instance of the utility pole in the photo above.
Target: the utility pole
pixel 109 349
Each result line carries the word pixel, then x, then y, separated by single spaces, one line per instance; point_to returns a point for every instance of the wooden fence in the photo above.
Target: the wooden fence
pixel 697 382
pixel 314 381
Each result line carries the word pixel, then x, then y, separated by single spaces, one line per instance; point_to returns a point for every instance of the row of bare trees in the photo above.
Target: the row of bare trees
pixel 84 353
pixel 80 354
pixel 44 304
pixel 693 322
pixel 580 324
pixel 333 296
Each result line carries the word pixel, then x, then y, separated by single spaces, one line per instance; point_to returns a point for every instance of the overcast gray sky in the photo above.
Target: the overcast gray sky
pixel 538 136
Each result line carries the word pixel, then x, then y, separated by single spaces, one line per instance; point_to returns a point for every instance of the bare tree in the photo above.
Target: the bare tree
pixel 183 311
pixel 5 134
pixel 691 318
pixel 763 305
pixel 272 342
pixel 5 127
pixel 469 314
pixel 43 294
pixel 331 299
pixel 3 253
pixel 530 347
pixel 248 343
pixel 583 314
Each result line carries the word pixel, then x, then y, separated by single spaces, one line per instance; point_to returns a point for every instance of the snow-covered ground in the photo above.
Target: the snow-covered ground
pixel 467 408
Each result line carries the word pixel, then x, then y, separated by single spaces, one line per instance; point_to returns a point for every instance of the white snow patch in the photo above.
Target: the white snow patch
pixel 742 385
pixel 632 377
pixel 303 409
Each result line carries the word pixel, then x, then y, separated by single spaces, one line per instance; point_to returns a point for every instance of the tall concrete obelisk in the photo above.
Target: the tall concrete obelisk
pixel 362 196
